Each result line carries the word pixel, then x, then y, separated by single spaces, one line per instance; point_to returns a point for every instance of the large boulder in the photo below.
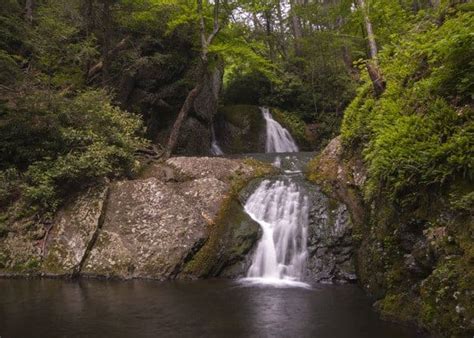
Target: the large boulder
pixel 194 138
pixel 205 104
pixel 180 219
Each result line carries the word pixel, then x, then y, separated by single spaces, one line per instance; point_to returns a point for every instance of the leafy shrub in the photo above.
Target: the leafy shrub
pixel 63 144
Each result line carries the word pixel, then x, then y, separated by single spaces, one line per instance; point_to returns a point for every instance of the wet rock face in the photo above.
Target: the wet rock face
pixel 415 259
pixel 329 240
pixel 329 243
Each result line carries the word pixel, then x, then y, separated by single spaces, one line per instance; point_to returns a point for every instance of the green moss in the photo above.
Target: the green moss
pixel 323 173
pixel 3 230
pixel 227 226
pixel 399 306
pixel 53 263
pixel 206 258
pixel 3 260
pixel 30 265
pixel 242 116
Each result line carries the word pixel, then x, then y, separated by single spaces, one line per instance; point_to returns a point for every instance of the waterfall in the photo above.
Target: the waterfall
pixel 281 209
pixel 279 140
pixel 215 149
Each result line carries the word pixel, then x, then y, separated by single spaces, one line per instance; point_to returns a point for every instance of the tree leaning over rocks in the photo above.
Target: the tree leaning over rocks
pixel 206 41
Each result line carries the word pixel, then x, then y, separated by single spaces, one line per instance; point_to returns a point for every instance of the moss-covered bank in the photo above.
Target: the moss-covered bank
pixel 404 166
pixel 417 261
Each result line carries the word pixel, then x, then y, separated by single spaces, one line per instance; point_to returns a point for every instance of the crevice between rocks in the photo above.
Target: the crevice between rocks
pixel 76 271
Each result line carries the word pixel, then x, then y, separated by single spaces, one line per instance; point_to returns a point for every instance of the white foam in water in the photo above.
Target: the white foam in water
pixel 281 209
pixel 279 140
pixel 277 162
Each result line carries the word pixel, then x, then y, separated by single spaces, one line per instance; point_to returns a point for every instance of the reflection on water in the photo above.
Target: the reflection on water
pixel 213 308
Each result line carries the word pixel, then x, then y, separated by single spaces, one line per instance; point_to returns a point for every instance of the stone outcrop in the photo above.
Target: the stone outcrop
pixel 179 219
pixel 195 134
pixel 330 246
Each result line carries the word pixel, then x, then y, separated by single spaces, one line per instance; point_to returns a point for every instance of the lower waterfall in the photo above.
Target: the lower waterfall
pixel 281 209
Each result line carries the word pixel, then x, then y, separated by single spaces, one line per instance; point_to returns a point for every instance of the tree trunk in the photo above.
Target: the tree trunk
pixel 87 11
pixel 29 10
pixel 269 34
pixel 368 28
pixel 372 65
pixel 98 67
pixel 183 113
pixel 281 33
pixel 376 77
pixel 106 17
pixel 296 26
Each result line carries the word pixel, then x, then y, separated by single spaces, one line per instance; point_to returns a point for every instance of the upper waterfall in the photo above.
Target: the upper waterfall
pixel 215 149
pixel 281 209
pixel 278 140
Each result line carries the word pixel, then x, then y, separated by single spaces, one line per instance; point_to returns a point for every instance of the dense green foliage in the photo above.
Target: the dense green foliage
pixel 420 133
pixel 60 144
pixel 417 142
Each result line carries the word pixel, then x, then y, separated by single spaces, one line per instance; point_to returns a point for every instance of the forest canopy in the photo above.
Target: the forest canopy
pixel 86 84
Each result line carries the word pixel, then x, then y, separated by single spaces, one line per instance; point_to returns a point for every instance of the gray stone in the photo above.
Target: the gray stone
pixel 329 240
pixel 73 229
pixel 155 227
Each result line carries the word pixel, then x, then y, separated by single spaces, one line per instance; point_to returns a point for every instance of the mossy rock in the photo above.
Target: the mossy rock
pixel 231 238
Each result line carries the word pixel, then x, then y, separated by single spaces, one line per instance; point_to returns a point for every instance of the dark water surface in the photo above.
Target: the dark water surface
pixel 212 308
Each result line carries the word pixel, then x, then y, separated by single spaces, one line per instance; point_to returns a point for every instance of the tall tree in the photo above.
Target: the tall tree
pixel 296 26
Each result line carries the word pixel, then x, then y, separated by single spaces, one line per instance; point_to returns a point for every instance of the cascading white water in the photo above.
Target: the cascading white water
pixel 279 140
pixel 281 209
pixel 215 149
